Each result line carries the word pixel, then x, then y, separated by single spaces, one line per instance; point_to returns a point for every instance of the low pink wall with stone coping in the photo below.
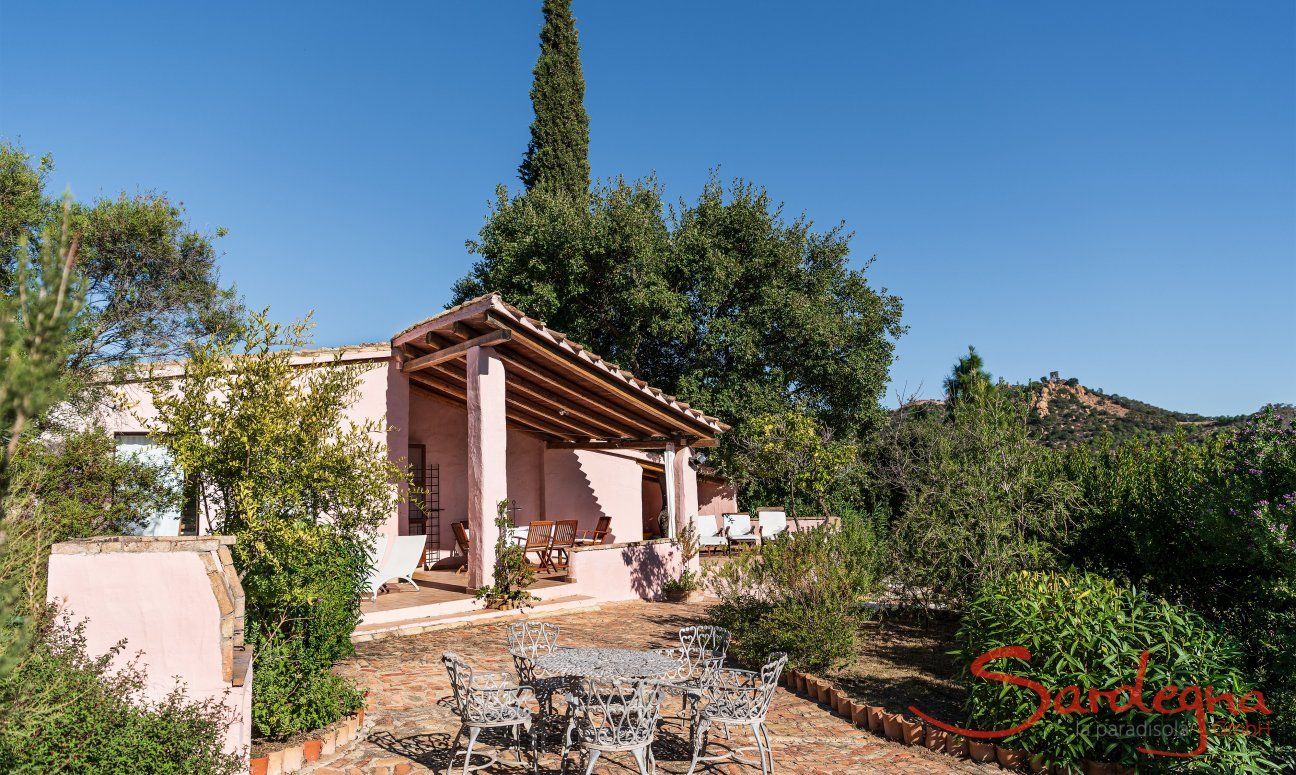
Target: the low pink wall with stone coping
pixel 631 571
pixel 160 596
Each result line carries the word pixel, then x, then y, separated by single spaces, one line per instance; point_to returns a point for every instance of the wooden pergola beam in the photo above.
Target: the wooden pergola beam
pixel 658 443
pixel 534 346
pixel 546 414
pixel 456 350
pixel 515 414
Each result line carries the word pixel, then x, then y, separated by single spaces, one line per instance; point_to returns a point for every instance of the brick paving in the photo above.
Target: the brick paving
pixel 413 723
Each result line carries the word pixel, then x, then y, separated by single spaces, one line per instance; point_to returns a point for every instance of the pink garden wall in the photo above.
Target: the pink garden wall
pixel 177 604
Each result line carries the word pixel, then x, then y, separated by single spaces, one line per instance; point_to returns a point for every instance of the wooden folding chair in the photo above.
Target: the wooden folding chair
pixel 595 536
pixel 539 535
pixel 564 538
pixel 460 530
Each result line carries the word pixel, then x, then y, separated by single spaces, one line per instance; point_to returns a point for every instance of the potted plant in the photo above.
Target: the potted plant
pixel 513 573
pixel 687 587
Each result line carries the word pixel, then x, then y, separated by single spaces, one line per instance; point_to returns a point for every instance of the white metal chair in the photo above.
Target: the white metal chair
pixel 772 521
pixel 740 531
pixel 738 698
pixel 486 700
pixel 404 556
pixel 611 716
pixel 528 640
pixel 710 536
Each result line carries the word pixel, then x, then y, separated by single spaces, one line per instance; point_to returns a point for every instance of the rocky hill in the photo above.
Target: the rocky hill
pixel 1064 412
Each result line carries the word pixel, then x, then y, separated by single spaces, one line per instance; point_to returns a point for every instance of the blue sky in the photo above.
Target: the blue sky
pixel 1104 189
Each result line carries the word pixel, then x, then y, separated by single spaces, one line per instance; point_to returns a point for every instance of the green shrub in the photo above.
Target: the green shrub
pixel 802 593
pixel 1086 631
pixel 295 690
pixel 975 497
pixel 68 712
pixel 1210 524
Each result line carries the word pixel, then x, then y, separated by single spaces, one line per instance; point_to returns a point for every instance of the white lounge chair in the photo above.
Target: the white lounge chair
pixel 404 556
pixel 772 520
pixel 740 530
pixel 709 535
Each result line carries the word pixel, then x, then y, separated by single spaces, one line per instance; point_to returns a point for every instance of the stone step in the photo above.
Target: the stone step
pixel 366 632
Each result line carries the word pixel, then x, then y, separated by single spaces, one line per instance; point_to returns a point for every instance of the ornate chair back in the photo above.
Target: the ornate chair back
pixel 482 697
pixel 705 637
pixel 616 715
pixel 744 696
pixel 528 640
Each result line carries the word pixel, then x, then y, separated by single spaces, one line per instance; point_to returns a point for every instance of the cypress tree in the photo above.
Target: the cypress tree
pixel 557 158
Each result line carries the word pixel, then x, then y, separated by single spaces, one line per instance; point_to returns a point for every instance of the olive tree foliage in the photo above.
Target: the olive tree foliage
pixel 150 281
pixel 722 301
pixel 267 444
pixel 974 497
pixel 790 455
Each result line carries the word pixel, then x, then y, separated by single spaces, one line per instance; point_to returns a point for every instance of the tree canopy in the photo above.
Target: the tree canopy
pixel 723 301
pixel 558 154
pixel 151 281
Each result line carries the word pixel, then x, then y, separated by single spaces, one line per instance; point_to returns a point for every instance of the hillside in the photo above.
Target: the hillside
pixel 1066 412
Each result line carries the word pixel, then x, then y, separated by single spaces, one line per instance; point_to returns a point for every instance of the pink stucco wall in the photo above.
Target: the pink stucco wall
pixel 716 498
pixel 162 604
pixel 616 572
pixel 585 484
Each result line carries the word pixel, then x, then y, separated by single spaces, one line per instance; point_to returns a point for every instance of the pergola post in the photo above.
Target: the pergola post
pixel 682 490
pixel 487 471
pixel 672 487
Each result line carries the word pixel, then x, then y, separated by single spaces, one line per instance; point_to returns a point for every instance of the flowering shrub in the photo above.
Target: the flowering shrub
pixel 1208 524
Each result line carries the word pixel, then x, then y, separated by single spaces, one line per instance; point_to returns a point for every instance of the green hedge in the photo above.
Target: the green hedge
pixel 1086 631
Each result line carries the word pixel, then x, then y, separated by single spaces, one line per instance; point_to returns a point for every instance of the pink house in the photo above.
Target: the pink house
pixel 483 403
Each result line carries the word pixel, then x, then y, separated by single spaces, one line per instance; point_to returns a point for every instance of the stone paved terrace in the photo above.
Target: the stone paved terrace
pixel 413 723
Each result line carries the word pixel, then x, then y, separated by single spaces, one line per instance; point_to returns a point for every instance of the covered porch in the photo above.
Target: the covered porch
pixel 494 406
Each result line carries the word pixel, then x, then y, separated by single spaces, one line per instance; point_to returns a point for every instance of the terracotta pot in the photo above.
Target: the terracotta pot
pixel 1011 758
pixel 981 752
pixel 891 725
pixel 876 718
pixel 937 739
pixel 912 730
pixel 957 746
pixel 788 679
pixel 825 694
pixel 311 750
pixel 1101 768
pixel 806 685
pixel 843 704
pixel 259 765
pixel 859 715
